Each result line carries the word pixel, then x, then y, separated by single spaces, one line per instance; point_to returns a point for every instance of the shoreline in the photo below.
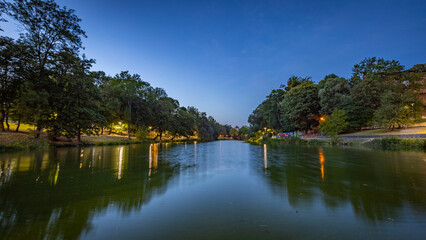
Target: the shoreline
pixel 382 143
pixel 24 142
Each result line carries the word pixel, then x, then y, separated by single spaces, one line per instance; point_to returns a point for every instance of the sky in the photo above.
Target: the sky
pixel 225 57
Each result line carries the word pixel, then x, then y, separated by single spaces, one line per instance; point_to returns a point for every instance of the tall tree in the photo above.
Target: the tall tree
pixel 76 99
pixel 374 65
pixel 48 29
pixel 13 66
pixel 300 107
pixel 334 92
pixel 131 88
pixel 271 109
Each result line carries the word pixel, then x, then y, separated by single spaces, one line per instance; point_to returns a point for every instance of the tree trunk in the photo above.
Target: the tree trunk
pixel 161 133
pixel 79 136
pixel 2 121
pixel 102 131
pixel 130 119
pixel 38 130
pixel 19 123
pixel 7 122
pixel 156 137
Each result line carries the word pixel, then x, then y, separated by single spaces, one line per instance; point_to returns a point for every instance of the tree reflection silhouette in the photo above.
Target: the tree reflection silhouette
pixel 379 185
pixel 55 194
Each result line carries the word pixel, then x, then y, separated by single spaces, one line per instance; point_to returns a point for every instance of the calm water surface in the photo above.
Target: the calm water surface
pixel 215 190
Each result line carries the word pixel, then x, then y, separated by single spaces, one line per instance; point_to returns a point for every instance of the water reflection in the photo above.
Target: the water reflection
pixel 62 193
pixel 322 160
pixel 379 185
pixel 153 157
pixel 265 156
pixel 55 194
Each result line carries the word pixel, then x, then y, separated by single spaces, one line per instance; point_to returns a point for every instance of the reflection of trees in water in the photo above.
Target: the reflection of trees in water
pixel 378 184
pixel 55 194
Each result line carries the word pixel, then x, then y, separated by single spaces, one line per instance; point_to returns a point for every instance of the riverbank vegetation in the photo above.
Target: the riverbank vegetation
pixel 380 93
pixel 386 143
pixel 46 82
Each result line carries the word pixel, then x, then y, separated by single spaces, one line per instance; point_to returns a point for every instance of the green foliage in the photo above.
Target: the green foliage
pixel 48 30
pixel 394 143
pixel 334 124
pixel 398 109
pixel 23 145
pixel 142 133
pixel 374 65
pixel 300 107
pixel 333 93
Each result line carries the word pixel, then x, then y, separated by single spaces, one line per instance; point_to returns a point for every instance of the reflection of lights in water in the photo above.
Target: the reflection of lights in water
pixel 153 157
pixel 185 146
pixel 322 160
pixel 81 154
pixel 195 152
pixel 120 162
pixel 54 175
pixel 265 156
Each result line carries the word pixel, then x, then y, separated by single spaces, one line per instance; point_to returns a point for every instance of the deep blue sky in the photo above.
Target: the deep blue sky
pixel 224 57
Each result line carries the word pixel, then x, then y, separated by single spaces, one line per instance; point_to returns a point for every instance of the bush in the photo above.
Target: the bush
pixel 394 143
pixel 142 134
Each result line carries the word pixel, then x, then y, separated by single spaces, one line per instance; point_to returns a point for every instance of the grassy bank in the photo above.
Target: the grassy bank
pixel 290 141
pixel 11 141
pixel 394 143
pixel 386 143
pixel 23 145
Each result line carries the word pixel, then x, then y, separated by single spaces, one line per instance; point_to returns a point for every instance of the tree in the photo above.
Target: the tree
pixel 294 81
pixel 131 89
pixel 164 112
pixel 365 99
pixel 300 107
pixel 48 29
pixel 374 65
pixel 183 123
pixel 13 67
pixel 256 118
pixel 334 93
pixel 398 109
pixel 271 109
pixel 77 99
pixel 334 124
pixel 111 99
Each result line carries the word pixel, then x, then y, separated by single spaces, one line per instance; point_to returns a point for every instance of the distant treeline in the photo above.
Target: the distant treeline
pixel 47 82
pixel 379 93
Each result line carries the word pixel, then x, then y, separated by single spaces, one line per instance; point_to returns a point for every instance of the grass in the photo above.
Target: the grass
pixel 16 141
pixel 23 145
pixel 394 143
pixel 386 143
pixel 22 128
pixel 290 141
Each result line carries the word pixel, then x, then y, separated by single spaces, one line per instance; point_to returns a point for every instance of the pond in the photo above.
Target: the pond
pixel 214 190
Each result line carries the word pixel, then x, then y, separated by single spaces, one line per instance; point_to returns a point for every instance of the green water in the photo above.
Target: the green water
pixel 215 190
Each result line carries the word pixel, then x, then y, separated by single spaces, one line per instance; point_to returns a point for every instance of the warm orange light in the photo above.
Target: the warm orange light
pixel 322 119
pixel 322 160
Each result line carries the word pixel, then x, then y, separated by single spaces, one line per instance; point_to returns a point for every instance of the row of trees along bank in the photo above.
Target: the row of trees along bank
pixel 47 82
pixel 379 93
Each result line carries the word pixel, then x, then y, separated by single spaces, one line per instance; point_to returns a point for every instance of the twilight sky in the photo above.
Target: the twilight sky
pixel 224 57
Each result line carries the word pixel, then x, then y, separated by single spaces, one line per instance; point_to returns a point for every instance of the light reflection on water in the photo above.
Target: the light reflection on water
pixel 223 189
